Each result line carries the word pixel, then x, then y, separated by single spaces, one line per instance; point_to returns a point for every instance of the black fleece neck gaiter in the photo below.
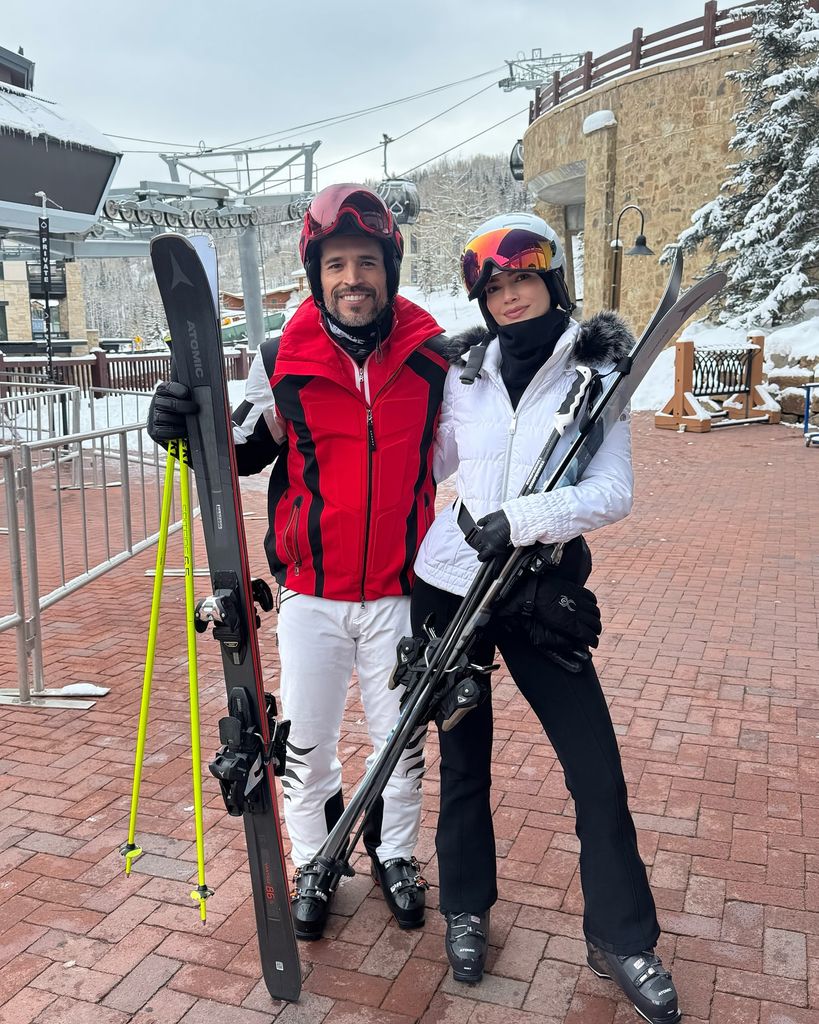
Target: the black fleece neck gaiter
pixel 526 346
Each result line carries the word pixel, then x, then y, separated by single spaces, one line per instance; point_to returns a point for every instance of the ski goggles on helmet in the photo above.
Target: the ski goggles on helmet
pixel 326 210
pixel 503 249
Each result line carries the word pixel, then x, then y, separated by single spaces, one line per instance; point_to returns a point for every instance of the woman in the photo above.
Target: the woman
pixel 491 431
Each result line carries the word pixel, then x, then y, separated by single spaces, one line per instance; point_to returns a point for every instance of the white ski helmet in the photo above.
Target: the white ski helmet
pixel 514 241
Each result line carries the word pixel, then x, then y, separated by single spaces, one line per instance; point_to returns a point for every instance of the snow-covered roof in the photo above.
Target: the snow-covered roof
pixel 22 111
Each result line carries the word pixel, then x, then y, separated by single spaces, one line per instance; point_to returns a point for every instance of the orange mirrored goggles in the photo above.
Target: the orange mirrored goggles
pixel 506 249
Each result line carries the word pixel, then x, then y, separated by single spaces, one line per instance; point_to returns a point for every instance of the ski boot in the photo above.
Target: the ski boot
pixel 644 980
pixel 466 941
pixel 403 887
pixel 313 888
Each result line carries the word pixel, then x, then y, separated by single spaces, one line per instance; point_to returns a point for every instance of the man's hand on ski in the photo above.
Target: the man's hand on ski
pixel 170 404
pixel 493 538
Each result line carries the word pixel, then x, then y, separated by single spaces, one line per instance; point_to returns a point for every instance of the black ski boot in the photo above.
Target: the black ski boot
pixel 313 888
pixel 646 983
pixel 404 889
pixel 466 940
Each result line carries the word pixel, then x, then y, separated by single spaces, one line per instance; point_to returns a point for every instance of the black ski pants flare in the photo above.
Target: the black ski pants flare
pixel 619 915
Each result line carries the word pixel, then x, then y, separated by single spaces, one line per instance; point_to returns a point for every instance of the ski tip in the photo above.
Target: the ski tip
pixel 202 243
pixel 166 238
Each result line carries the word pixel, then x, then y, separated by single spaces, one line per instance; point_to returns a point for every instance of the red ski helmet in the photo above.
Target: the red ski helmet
pixel 349 209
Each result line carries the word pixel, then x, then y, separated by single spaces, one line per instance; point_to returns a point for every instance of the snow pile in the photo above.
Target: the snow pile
pixel 22 111
pixel 600 119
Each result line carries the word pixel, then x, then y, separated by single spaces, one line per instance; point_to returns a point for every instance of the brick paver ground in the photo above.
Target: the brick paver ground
pixel 710 594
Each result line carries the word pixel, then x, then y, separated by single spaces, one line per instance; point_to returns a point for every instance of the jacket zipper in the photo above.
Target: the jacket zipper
pixel 293 522
pixel 370 450
pixel 371 447
pixel 507 462
pixel 513 426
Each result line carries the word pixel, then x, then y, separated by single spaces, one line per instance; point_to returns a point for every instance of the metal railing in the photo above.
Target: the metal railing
pixel 16 620
pixel 723 371
pixel 97 507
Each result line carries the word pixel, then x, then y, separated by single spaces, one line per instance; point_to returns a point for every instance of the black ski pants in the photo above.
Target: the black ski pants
pixel 619 909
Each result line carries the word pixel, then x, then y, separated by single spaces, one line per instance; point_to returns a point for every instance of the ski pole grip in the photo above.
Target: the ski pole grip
pixel 567 413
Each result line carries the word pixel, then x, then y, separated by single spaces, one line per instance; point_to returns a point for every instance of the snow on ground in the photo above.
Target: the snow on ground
pixel 455 313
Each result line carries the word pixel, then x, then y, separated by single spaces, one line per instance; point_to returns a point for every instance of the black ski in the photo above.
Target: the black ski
pixel 252 739
pixel 442 663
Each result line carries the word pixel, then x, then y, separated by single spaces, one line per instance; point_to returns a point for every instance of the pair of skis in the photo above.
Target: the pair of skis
pixel 252 738
pixel 252 750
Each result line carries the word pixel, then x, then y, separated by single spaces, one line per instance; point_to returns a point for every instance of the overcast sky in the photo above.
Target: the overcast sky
pixel 223 72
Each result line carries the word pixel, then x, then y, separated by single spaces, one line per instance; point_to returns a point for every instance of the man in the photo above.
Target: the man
pixel 345 406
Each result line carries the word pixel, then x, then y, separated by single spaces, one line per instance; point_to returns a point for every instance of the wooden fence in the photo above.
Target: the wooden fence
pixel 133 371
pixel 714 30
pixel 718 387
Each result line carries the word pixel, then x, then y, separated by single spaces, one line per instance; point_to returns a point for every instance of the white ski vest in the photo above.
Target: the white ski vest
pixel 492 448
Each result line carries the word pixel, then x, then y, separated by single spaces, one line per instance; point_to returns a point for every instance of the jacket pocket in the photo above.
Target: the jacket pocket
pixel 290 536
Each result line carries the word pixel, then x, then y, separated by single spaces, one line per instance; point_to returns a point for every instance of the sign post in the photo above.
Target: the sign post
pixel 45 276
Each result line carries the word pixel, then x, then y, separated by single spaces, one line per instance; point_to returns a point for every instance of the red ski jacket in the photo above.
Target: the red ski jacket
pixel 357 496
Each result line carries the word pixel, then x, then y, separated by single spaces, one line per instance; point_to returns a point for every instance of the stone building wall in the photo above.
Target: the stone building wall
pixel 72 307
pixel 667 153
pixel 14 292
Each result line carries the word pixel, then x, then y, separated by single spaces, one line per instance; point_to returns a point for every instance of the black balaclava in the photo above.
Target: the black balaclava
pixel 526 346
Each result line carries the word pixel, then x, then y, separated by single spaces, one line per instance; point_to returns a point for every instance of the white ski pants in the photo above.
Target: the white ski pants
pixel 321 642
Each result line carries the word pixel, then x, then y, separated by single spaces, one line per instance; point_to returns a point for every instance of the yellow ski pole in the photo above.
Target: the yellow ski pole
pixel 201 892
pixel 129 850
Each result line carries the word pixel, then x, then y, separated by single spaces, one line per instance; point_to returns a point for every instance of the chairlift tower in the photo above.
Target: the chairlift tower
pixel 534 71
pixel 531 73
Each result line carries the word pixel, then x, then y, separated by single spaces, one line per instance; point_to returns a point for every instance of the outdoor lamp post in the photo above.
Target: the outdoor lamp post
pixel 638 249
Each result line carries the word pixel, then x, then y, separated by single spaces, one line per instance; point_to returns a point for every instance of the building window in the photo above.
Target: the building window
pixel 4 330
pixel 413 273
pixel 2 270
pixel 38 329
pixel 414 247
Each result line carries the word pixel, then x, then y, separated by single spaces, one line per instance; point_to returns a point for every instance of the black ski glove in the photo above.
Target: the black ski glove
pixel 170 404
pixel 564 610
pixel 494 536
pixel 559 617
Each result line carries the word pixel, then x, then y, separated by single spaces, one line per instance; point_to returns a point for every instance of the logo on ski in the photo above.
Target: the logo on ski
pixel 178 276
pixel 196 358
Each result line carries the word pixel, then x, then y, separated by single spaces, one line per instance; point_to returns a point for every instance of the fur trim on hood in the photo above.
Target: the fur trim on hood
pixel 460 344
pixel 454 348
pixel 602 339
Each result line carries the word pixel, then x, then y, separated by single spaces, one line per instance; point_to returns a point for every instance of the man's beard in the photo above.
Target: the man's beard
pixel 353 319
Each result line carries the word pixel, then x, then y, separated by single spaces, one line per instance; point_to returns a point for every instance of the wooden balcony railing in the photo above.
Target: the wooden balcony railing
pixel 714 30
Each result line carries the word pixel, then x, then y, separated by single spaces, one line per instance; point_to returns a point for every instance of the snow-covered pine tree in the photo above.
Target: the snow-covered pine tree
pixel 763 227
